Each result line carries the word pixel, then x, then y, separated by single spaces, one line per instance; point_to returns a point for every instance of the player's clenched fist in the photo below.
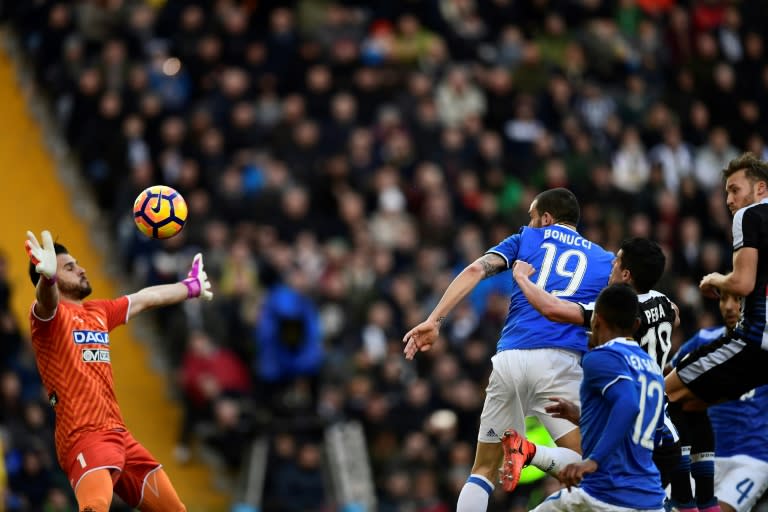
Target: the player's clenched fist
pixel 523 269
pixel 43 257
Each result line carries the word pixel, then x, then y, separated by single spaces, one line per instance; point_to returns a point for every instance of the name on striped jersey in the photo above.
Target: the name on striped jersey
pixel 83 337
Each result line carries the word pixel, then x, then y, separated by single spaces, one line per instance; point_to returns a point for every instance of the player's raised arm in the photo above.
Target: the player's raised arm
pixel 421 337
pixel 550 307
pixel 45 262
pixel 195 285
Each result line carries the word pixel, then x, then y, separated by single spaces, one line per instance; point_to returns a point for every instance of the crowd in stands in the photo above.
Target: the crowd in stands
pixel 342 161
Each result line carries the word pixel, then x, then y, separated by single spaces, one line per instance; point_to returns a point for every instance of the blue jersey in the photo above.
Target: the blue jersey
pixel 740 426
pixel 623 383
pixel 567 265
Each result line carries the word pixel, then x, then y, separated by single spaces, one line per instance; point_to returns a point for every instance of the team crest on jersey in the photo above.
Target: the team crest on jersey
pixel 97 337
pixel 96 355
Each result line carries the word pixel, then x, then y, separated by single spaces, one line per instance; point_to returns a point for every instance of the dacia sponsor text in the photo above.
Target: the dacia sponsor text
pixel 96 355
pixel 85 337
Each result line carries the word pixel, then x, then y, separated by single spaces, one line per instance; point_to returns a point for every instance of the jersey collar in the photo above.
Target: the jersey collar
pixel 574 229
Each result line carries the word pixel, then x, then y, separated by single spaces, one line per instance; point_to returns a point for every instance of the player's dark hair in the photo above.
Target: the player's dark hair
pixel 617 305
pixel 645 261
pixel 560 203
pixel 33 275
pixel 754 168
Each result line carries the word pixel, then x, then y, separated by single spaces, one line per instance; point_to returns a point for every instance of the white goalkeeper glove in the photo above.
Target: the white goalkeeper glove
pixel 44 258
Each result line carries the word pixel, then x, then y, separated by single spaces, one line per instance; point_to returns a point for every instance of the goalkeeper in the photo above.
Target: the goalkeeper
pixel 70 337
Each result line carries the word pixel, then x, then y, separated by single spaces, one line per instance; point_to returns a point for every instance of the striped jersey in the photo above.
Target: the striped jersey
pixel 750 229
pixel 740 426
pixel 657 318
pixel 73 358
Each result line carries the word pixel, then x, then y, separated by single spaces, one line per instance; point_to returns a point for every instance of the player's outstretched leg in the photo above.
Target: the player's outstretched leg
pixel 518 452
pixel 159 495
pixel 94 491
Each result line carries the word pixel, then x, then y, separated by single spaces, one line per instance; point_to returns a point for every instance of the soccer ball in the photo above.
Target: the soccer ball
pixel 160 212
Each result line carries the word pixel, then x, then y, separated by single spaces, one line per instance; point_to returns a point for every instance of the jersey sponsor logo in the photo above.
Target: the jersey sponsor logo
pixel 567 238
pixel 96 355
pixel 98 337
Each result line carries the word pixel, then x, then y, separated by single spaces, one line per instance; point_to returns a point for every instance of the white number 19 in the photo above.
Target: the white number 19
pixel 576 275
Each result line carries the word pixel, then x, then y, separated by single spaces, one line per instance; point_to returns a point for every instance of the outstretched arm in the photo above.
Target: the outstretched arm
pixel 421 337
pixel 44 259
pixel 195 285
pixel 550 307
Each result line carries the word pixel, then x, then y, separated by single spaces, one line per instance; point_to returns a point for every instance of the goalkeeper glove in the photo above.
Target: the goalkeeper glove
pixel 197 280
pixel 44 258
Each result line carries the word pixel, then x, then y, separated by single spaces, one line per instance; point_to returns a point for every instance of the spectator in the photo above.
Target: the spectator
pixel 713 158
pixel 675 157
pixel 208 373
pixel 288 339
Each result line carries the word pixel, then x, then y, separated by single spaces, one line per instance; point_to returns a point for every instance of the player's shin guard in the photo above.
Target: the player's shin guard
pixel 475 494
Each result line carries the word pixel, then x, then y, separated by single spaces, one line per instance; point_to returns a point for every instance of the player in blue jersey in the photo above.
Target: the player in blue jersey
pixel 622 398
pixel 640 264
pixel 740 427
pixel 535 358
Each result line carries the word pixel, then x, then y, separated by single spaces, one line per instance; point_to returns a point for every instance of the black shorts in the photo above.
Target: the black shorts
pixel 724 369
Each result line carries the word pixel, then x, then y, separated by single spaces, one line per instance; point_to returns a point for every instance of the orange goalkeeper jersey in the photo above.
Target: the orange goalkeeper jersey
pixel 73 358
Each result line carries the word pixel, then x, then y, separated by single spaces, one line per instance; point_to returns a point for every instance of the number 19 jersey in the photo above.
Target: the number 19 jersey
pixel 568 266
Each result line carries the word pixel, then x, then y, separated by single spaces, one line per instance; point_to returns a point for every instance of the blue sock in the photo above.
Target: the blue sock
pixel 681 479
pixel 703 472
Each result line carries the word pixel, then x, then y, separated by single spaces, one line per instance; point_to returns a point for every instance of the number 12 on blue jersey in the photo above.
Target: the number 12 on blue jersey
pixel 651 405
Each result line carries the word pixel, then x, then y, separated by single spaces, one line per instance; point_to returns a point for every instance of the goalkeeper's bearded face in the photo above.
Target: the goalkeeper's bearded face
pixel 71 278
